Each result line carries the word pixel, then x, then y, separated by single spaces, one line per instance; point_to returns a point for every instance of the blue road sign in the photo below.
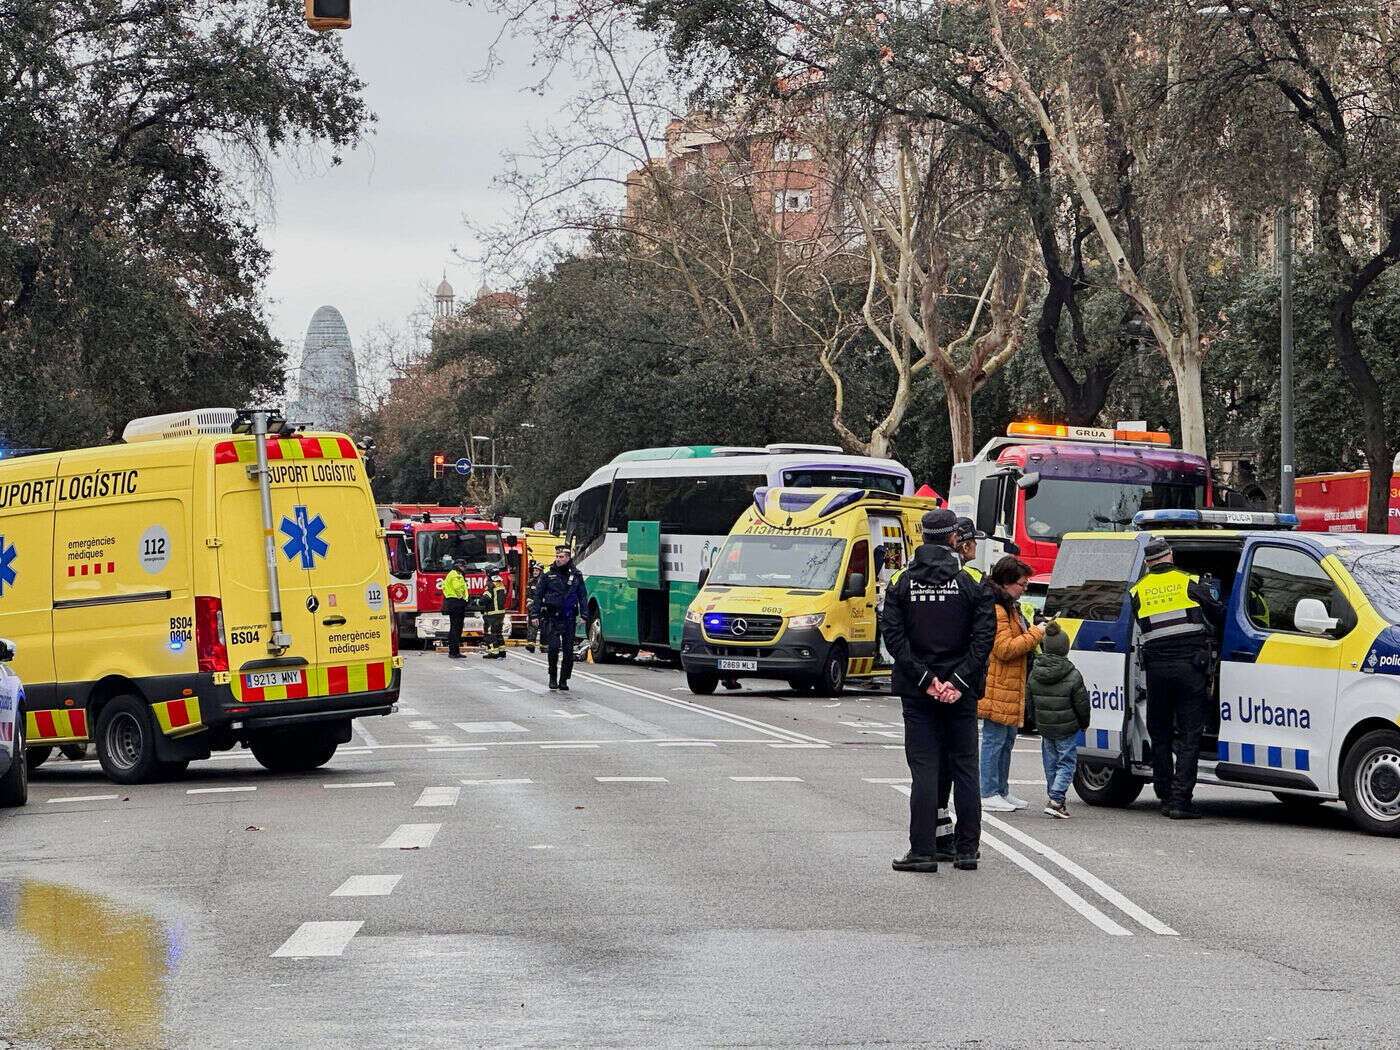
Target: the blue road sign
pixel 464 466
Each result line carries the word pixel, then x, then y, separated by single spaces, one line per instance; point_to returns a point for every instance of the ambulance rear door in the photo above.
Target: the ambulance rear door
pixel 890 555
pixel 258 674
pixel 1089 597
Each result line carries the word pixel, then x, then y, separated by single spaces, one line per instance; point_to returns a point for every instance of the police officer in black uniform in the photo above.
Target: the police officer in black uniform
pixel 560 598
pixel 939 627
pixel 1175 613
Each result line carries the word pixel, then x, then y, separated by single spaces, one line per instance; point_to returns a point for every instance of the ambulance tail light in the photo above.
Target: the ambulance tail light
pixel 209 644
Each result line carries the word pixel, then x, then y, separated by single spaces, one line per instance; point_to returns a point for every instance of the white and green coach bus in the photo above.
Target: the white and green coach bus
pixel 646 526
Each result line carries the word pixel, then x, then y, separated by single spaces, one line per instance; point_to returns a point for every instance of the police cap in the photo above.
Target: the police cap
pixel 966 530
pixel 939 523
pixel 1157 549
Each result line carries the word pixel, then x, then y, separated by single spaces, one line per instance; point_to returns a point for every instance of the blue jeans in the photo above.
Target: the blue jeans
pixel 1060 758
pixel 996 757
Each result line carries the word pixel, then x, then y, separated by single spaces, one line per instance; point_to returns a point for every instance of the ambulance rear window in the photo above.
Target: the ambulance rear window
pixel 1091 579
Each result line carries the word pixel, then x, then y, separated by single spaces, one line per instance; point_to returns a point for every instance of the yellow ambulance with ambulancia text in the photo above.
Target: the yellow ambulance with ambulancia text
pixel 217 579
pixel 795 592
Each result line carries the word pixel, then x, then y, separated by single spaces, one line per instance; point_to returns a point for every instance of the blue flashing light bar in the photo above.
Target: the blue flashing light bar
pixel 1213 519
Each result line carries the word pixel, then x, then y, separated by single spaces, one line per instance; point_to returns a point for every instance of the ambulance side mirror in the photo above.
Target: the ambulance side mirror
pixel 7 650
pixel 704 576
pixel 1311 617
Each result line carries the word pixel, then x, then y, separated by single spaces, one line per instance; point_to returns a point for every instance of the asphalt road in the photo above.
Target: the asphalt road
pixel 497 865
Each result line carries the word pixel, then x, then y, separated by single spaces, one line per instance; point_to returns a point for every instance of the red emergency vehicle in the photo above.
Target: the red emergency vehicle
pixel 1337 502
pixel 423 542
pixel 1043 480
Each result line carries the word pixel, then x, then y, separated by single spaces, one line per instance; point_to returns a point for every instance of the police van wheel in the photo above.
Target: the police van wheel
pixel 126 742
pixel 703 684
pixel 14 788
pixel 291 751
pixel 1371 782
pixel 832 680
pixel 35 757
pixel 1101 785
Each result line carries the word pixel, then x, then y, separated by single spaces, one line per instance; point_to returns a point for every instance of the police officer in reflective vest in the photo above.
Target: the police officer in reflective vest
pixel 1175 613
pixel 495 616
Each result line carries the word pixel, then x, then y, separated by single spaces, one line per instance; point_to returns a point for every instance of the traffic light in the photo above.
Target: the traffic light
pixel 439 465
pixel 328 14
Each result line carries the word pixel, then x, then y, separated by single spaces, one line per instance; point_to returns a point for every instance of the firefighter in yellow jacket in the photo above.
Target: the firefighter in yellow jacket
pixel 495 616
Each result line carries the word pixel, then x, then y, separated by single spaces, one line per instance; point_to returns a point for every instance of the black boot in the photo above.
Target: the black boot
pixel 967 862
pixel 912 861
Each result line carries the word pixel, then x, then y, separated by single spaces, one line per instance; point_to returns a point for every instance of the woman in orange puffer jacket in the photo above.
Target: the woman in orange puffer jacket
pixel 1003 705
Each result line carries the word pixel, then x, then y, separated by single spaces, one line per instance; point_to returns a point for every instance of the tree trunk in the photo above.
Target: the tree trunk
pixel 1186 370
pixel 959 394
pixel 1380 456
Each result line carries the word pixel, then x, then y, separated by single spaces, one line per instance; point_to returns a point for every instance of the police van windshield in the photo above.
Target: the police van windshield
pixel 437 550
pixel 806 562
pixel 1376 570
pixel 1056 506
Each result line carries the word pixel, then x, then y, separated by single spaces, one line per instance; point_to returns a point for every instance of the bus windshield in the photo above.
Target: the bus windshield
pixel 806 562
pixel 439 548
pixel 1376 570
pixel 1056 506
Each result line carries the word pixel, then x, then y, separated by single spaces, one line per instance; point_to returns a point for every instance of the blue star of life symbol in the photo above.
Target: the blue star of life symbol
pixel 304 537
pixel 7 564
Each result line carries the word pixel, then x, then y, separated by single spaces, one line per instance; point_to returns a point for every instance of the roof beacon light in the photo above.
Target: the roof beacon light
pixel 1213 519
pixel 1065 433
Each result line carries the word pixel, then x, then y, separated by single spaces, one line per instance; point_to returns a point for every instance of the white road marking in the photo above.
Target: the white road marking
pixel 367 886
pixel 687 743
pixel 490 727
pixel 723 716
pixel 411 836
pixel 1088 878
pixel 568 747
pixel 508 689
pixel 408 711
pixel 888 780
pixel 440 741
pixel 799 745
pixel 480 783
pixel 632 780
pixel 365 734
pixel 458 747
pixel 438 796
pixel 82 798
pixel 314 939
pixel 866 725
pixel 216 791
pixel 567 714
pixel 1045 878
pixel 766 780
pixel 422 725
pixel 542 846
pixel 363 784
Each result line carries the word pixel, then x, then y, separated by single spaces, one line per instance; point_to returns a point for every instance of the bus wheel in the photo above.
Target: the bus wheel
pixel 1101 785
pixel 14 787
pixel 597 644
pixel 292 751
pixel 703 684
pixel 832 680
pixel 126 741
pixel 35 757
pixel 1371 782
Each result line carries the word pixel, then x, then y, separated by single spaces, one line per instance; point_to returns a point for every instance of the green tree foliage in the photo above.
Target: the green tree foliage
pixel 130 266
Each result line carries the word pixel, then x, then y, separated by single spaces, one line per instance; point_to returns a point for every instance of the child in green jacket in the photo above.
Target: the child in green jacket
pixel 1056 693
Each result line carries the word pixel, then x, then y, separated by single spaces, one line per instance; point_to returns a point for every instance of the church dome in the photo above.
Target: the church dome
pixel 444 290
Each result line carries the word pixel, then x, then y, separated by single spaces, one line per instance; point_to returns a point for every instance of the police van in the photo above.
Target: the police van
pixel 794 592
pixel 1306 677
pixel 216 579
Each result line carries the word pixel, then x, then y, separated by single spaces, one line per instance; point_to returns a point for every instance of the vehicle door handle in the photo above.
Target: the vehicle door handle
pixel 1241 654
pixel 334 621
pixel 1105 644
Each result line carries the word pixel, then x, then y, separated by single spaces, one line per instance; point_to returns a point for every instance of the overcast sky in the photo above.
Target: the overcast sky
pixel 368 236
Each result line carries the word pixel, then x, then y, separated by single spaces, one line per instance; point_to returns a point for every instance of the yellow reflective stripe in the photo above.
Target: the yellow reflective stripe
pixel 357 678
pixel 1161 592
pixel 974 572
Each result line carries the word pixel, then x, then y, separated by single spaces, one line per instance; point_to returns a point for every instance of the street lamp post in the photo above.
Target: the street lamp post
pixel 1283 228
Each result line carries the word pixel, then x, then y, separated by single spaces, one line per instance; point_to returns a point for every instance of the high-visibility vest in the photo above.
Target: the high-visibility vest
pixel 498 599
pixel 974 572
pixel 454 586
pixel 1164 608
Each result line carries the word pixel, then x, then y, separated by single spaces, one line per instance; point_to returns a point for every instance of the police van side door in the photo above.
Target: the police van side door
pixel 1089 597
pixel 1278 685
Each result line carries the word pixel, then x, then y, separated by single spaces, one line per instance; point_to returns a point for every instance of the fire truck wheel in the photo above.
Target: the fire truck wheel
pixel 126 741
pixel 292 751
pixel 35 757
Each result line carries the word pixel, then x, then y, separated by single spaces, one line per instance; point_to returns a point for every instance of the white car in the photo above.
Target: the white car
pixel 14 771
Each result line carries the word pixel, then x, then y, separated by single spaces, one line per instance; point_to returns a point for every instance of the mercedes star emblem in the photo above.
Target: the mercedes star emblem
pixel 739 625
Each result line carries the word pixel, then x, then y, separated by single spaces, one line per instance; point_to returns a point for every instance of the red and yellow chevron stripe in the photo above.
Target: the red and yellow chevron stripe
pixel 297 446
pixel 178 717
pixel 892 531
pixel 321 681
pixel 55 726
pixel 861 665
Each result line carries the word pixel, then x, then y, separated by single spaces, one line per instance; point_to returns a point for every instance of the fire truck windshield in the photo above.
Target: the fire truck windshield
pixel 439 548
pixel 1056 506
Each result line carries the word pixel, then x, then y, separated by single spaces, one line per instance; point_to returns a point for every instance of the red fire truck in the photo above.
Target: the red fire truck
pixel 1337 502
pixel 422 543
pixel 1043 480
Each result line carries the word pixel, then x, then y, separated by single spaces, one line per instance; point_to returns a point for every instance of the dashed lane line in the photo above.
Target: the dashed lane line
pixel 217 791
pixel 568 747
pixel 362 784
pixel 81 798
pixel 367 886
pixel 490 727
pixel 364 732
pixel 422 725
pixel 767 780
pixel 503 780
pixel 632 780
pixel 687 743
pixel 799 745
pixel 318 939
pixel 438 796
pixel 411 836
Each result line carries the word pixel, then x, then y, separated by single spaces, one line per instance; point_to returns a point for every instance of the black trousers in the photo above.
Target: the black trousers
pixel 558 637
pixel 941 738
pixel 1178 690
pixel 495 639
pixel 456 610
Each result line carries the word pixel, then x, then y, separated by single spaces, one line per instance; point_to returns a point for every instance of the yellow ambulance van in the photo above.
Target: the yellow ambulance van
pixel 216 579
pixel 795 592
